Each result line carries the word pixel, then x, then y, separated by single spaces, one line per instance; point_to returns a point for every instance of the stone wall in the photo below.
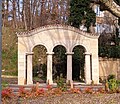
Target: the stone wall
pixel 109 66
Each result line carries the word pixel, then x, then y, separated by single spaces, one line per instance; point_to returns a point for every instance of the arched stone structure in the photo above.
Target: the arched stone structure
pixel 51 36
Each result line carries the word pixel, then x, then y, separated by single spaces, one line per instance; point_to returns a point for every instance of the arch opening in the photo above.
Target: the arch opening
pixel 78 64
pixel 59 62
pixel 39 62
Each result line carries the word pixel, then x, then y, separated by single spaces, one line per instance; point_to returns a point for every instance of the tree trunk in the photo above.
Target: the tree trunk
pixel 14 14
pixel 18 7
pixel 27 16
pixel 24 16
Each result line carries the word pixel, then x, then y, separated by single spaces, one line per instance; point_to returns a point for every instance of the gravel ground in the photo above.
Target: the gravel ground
pixel 78 99
pixel 71 99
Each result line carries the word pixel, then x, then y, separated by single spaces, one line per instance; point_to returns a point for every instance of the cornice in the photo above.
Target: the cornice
pixel 56 26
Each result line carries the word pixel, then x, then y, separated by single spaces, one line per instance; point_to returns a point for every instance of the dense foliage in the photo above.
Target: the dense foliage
pixel 81 13
pixel 109 51
pixel 109 47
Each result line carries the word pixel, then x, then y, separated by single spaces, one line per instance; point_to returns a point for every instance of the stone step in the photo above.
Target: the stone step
pixel 16 87
pixel 43 85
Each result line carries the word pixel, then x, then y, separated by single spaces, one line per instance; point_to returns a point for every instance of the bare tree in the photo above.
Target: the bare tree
pixel 34 13
pixel 14 14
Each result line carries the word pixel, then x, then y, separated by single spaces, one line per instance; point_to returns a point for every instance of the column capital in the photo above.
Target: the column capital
pixel 69 53
pixel 29 53
pixel 87 53
pixel 49 53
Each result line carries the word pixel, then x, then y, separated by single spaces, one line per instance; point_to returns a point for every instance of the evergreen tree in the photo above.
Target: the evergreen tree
pixel 81 12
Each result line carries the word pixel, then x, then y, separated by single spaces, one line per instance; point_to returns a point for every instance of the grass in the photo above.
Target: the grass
pixel 10 72
pixel 4 84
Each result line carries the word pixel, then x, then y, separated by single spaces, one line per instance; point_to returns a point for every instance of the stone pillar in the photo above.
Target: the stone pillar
pixel 69 66
pixel 95 68
pixel 29 68
pixel 87 69
pixel 49 67
pixel 21 68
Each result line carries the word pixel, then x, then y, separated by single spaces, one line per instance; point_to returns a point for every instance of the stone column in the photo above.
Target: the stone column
pixel 29 68
pixel 69 66
pixel 87 69
pixel 49 67
pixel 21 68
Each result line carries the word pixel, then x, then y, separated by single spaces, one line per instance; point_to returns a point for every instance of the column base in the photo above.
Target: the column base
pixel 50 82
pixel 69 81
pixel 21 81
pixel 29 82
pixel 88 82
pixel 96 82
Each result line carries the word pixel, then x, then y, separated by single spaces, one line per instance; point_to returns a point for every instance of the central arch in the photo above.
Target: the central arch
pixel 78 63
pixel 59 62
pixel 50 36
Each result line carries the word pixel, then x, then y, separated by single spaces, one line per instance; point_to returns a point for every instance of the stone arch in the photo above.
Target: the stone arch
pixel 59 62
pixel 85 47
pixel 38 44
pixel 78 63
pixel 39 63
pixel 50 36
pixel 59 44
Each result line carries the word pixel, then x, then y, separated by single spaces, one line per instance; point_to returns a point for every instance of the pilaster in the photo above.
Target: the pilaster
pixel 49 67
pixel 87 68
pixel 29 73
pixel 69 66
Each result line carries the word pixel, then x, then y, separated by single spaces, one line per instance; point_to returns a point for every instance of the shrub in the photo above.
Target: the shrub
pixel 118 81
pixel 40 91
pixel 22 92
pixel 89 90
pixel 75 90
pixel 113 85
pixel 57 91
pixel 49 87
pixel 7 93
pixel 4 84
pixel 34 89
pixel 101 90
pixel 61 84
